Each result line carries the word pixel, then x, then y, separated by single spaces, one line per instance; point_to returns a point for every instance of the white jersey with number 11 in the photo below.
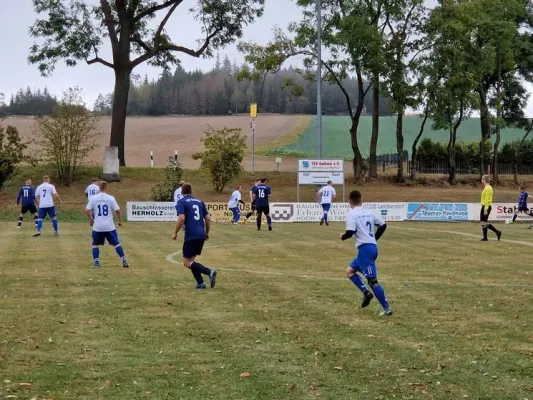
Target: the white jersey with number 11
pixel 103 206
pixel 328 193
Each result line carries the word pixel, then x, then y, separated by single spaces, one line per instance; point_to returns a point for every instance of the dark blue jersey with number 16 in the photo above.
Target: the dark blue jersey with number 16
pixel 195 212
pixel 262 191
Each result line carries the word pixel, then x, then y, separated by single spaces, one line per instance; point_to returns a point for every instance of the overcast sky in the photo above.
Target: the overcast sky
pixel 18 15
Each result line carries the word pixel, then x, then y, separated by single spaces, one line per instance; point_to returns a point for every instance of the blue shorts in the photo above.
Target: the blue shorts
pixel 326 207
pixel 99 238
pixel 365 262
pixel 43 212
pixel 192 248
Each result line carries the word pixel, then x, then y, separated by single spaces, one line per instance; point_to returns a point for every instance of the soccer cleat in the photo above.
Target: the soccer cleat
pixel 37 234
pixel 270 227
pixel 386 313
pixel 366 299
pixel 213 278
pixel 96 264
pixel 125 264
pixel 327 223
pixel 235 223
pixel 200 285
pixel 322 222
pixel 484 240
pixel 499 234
pixel 56 233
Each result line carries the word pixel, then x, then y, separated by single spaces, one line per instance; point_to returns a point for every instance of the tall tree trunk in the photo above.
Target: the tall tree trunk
pixel 498 117
pixel 357 161
pixel 452 168
pixel 119 111
pixel 414 149
pixel 399 145
pixel 484 119
pixel 375 128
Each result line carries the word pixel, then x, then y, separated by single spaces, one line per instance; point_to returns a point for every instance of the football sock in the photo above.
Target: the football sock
pixel 248 215
pixel 196 266
pixel 36 220
pixel 54 224
pixel 514 217
pixel 357 281
pixel 492 228
pixel 269 221
pixel 485 231
pixel 379 292
pixel 197 276
pixel 325 216
pixel 20 221
pixel 120 252
pixel 258 221
pixel 96 254
pixel 39 225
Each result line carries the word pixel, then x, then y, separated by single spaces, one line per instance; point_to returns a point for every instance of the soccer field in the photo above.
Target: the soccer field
pixel 282 323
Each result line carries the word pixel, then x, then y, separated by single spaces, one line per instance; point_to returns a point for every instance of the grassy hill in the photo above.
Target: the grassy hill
pixel 337 139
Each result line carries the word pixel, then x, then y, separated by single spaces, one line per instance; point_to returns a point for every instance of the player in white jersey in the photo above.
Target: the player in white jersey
pixel 360 222
pixel 326 196
pixel 233 204
pixel 92 189
pixel 100 212
pixel 177 192
pixel 44 195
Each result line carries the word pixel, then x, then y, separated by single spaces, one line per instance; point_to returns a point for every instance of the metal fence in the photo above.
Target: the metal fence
pixel 442 168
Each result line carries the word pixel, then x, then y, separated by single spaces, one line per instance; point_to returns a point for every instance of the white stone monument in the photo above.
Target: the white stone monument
pixel 111 165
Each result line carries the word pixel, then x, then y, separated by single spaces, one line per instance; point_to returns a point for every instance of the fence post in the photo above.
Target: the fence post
pixel 151 158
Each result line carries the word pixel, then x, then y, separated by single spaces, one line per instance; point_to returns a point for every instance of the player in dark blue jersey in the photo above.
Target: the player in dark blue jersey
pixel 251 212
pixel 522 203
pixel 261 194
pixel 193 215
pixel 26 196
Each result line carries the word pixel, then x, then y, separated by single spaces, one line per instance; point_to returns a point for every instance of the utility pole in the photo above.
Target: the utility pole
pixel 319 81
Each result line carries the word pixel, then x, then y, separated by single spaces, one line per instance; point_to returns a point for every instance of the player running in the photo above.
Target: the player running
pixel 177 192
pixel 193 215
pixel 92 189
pixel 325 196
pixel 261 195
pixel 250 213
pixel 233 204
pixel 26 196
pixel 360 222
pixel 45 194
pixel 522 204
pixel 486 208
pixel 100 212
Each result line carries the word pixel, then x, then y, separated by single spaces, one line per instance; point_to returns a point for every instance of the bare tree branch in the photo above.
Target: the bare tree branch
pixel 165 20
pixel 142 43
pixel 154 9
pixel 341 86
pixel 106 8
pixel 101 61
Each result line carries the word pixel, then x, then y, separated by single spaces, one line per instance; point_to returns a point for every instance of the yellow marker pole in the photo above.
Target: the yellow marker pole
pixel 253 115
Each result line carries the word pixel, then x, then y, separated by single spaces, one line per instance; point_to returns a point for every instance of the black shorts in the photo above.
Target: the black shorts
pixel 31 208
pixel 193 248
pixel 523 209
pixel 263 210
pixel 482 216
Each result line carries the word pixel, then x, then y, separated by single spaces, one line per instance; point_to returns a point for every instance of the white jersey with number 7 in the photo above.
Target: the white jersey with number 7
pixel 103 206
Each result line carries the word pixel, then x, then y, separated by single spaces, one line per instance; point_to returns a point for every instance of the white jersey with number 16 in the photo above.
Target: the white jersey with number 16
pixel 362 221
pixel 103 206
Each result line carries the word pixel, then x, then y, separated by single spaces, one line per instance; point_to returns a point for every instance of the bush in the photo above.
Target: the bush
pixel 11 152
pixel 164 191
pixel 224 152
pixel 67 136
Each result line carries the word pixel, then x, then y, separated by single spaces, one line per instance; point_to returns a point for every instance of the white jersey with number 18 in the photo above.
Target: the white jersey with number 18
pixel 103 206
pixel 362 222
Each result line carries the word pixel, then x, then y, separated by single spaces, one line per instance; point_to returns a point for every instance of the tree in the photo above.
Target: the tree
pixel 74 31
pixel 11 152
pixel 224 152
pixel 67 136
pixel 103 104
pixel 352 40
pixel 164 191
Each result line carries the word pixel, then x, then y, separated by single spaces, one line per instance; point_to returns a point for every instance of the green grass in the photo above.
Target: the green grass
pixel 336 136
pixel 461 328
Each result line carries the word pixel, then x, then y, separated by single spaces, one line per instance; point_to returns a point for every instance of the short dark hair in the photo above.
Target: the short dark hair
pixel 522 187
pixel 355 197
pixel 329 182
pixel 263 180
pixel 95 180
pixel 186 189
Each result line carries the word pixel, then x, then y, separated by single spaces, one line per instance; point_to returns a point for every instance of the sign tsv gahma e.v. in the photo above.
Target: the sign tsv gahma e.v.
pixel 319 172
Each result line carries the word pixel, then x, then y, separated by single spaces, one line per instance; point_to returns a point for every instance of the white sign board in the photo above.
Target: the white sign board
pixel 143 211
pixel 319 172
pixel 320 165
pixel 320 178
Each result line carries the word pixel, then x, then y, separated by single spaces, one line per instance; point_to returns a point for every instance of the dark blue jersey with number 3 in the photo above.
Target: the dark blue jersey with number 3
pixel 262 191
pixel 195 212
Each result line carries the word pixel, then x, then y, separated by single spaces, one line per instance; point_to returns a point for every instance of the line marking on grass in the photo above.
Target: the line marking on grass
pixel 461 234
pixel 170 259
